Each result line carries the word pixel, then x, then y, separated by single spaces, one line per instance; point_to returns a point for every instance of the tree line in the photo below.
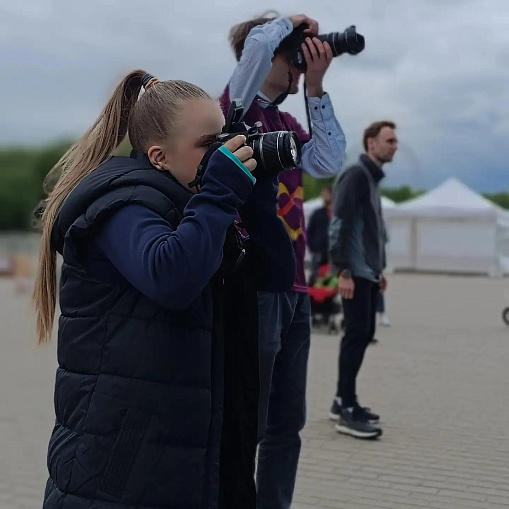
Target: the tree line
pixel 23 169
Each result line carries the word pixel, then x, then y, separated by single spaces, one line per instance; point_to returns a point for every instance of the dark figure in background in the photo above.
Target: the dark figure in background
pixel 318 234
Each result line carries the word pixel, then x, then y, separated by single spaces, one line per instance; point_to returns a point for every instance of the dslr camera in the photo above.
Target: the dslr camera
pixel 273 152
pixel 348 41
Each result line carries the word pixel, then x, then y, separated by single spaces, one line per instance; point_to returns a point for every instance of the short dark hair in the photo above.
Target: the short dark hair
pixel 374 129
pixel 238 33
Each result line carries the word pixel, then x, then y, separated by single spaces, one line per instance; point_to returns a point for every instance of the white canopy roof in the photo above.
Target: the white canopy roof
pixel 450 199
pixel 316 203
pixel 387 203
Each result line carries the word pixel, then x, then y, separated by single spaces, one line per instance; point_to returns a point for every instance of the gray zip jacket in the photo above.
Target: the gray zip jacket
pixel 357 233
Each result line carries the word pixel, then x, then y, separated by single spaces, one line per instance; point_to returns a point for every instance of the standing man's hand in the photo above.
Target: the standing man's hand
pixel 346 285
pixel 312 24
pixel 383 284
pixel 318 57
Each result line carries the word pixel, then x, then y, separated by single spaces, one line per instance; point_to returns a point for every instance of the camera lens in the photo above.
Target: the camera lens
pixel 294 150
pixel 348 41
pixel 276 151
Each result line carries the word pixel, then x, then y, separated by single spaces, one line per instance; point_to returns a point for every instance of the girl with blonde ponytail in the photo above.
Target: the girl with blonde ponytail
pixel 157 382
pixel 93 148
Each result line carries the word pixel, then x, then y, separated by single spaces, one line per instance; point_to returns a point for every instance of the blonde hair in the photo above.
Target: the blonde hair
pixel 147 119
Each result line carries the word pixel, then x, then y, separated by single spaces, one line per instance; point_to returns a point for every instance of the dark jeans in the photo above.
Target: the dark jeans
pixel 360 321
pixel 284 340
pixel 380 302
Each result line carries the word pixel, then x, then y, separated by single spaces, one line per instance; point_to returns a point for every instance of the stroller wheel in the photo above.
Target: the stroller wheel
pixel 505 316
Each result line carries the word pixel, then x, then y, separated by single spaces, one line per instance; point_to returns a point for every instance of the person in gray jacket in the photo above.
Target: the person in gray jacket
pixel 357 249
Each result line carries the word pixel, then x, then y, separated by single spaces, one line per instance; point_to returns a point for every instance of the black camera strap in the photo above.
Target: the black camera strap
pixel 284 95
pixel 196 182
pixel 306 103
pixel 241 245
pixel 279 99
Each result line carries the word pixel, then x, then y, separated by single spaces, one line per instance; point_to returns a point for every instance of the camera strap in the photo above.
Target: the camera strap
pixel 196 182
pixel 306 104
pixel 284 95
pixel 241 245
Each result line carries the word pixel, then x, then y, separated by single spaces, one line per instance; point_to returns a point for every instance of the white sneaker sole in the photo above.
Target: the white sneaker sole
pixel 345 430
pixel 333 417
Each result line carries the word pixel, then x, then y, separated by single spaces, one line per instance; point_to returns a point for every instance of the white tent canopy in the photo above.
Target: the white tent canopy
pixel 315 203
pixel 449 229
pixel 452 199
pixel 387 203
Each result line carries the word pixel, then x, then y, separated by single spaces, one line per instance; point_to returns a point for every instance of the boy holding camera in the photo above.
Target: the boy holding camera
pixel 265 75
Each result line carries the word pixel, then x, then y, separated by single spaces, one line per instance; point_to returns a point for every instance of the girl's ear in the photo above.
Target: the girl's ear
pixel 157 157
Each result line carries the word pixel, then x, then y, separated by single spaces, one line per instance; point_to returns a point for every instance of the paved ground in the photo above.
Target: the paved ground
pixel 439 378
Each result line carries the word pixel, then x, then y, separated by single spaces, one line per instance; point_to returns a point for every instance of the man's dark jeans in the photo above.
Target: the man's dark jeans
pixel 380 303
pixel 360 322
pixel 284 340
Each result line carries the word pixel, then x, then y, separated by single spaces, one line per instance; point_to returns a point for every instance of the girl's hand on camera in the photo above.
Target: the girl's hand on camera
pixel 244 153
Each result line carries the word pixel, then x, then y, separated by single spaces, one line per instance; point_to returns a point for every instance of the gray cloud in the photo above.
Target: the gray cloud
pixel 438 68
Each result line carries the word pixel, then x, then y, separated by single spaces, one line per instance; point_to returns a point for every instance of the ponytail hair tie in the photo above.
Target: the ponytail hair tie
pixel 148 80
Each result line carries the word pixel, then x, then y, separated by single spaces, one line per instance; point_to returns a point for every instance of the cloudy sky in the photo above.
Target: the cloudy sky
pixel 439 68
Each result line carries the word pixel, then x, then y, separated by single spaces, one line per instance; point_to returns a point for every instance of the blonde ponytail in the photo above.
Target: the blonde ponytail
pixel 93 148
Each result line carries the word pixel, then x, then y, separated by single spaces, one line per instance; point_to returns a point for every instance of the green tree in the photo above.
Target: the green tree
pixel 313 186
pixel 500 199
pixel 21 177
pixel 401 194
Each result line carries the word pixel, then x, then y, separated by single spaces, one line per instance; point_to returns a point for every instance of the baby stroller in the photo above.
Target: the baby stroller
pixel 505 316
pixel 325 301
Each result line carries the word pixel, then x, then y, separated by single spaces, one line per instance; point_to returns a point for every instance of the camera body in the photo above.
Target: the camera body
pixel 273 152
pixel 348 41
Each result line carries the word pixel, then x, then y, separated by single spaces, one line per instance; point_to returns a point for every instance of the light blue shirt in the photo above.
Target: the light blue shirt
pixel 323 156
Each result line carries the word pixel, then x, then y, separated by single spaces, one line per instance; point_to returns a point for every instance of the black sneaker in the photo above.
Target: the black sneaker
pixel 367 414
pixel 351 423
pixel 335 411
pixel 364 412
